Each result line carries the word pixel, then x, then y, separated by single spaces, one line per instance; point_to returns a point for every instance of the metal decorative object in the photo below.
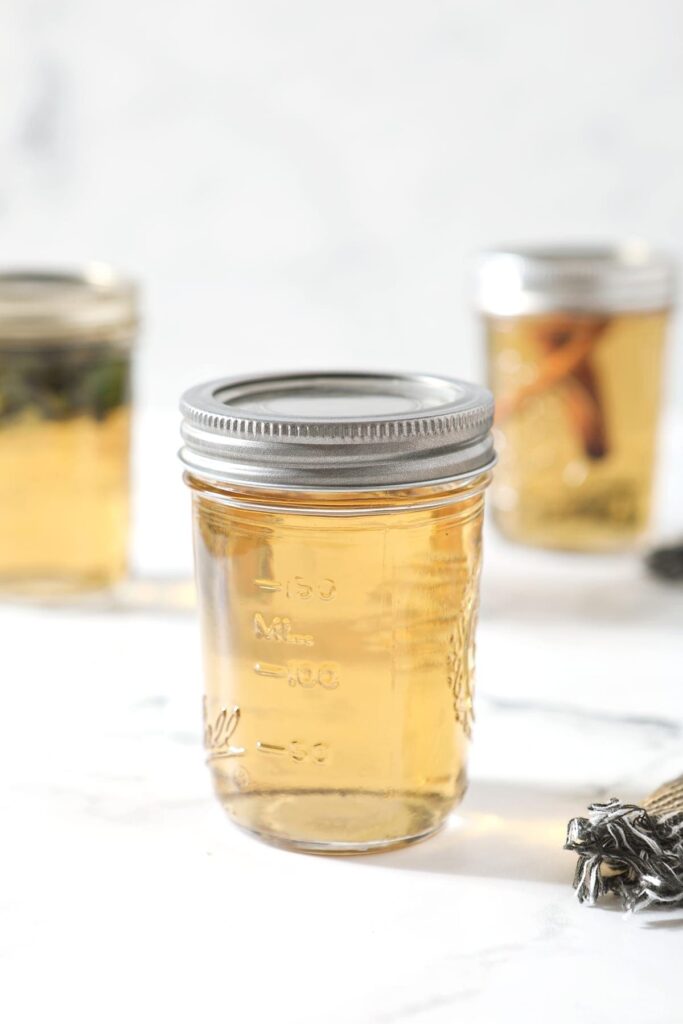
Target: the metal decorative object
pixel 667 562
pixel 635 852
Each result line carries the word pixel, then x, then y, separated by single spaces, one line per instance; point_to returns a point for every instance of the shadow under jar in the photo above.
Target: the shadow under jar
pixel 65 352
pixel 337 533
pixel 575 346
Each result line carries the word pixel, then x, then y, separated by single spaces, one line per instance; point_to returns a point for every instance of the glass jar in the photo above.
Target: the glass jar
pixel 65 352
pixel 337 532
pixel 575 342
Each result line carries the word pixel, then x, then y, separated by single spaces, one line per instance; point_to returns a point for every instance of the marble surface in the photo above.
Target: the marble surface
pixel 126 894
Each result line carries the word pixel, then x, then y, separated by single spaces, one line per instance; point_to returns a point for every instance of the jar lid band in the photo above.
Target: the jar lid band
pixel 47 306
pixel 328 430
pixel 528 280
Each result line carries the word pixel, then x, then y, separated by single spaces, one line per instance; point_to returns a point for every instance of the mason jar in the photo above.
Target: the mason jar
pixel 65 353
pixel 575 349
pixel 337 536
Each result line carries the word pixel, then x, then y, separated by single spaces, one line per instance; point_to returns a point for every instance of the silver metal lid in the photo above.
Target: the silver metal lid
pixel 525 280
pixel 46 306
pixel 323 431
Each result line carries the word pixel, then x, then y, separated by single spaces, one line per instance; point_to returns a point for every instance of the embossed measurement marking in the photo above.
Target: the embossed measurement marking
pixel 280 630
pixel 299 587
pixel 270 585
pixel 302 673
pixel 296 750
pixel 217 734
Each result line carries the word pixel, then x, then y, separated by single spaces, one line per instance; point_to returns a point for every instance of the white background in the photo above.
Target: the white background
pixel 302 183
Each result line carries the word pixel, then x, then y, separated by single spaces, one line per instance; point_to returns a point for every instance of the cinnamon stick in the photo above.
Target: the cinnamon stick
pixel 568 345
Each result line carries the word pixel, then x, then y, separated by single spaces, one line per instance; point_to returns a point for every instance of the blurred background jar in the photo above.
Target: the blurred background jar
pixel 65 368
pixel 575 351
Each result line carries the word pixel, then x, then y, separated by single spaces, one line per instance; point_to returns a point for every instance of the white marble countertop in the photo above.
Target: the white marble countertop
pixel 126 894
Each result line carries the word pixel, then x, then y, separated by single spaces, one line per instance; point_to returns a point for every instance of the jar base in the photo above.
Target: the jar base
pixel 48 588
pixel 339 823
pixel 341 849
pixel 576 541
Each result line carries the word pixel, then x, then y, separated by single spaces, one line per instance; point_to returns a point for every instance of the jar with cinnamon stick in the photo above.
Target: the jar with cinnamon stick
pixel 575 347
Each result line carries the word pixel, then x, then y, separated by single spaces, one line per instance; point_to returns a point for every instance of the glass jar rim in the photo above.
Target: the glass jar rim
pixel 361 501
